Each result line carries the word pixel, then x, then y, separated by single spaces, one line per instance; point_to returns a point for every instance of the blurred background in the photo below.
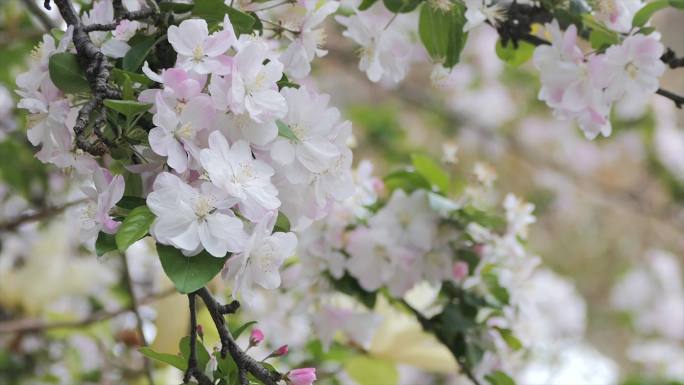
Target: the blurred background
pixel 610 220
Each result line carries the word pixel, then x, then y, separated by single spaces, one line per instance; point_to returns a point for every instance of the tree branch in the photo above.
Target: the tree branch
pixel 35 10
pixel 671 59
pixel 193 369
pixel 244 362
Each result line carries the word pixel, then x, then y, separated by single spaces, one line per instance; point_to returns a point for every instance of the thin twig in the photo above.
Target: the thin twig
pixel 37 326
pixel 139 320
pixel 47 212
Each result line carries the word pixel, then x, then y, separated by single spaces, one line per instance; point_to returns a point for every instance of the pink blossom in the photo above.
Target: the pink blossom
pixel 302 376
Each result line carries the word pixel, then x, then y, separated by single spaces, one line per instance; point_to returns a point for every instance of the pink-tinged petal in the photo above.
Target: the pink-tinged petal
pixel 218 43
pixel 317 154
pixel 159 140
pixel 110 226
pixel 177 157
pixel 199 112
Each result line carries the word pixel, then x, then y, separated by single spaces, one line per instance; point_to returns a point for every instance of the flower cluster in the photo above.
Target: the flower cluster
pixel 228 146
pixel 585 87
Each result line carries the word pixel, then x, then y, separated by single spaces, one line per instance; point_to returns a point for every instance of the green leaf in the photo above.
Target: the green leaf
pixel 492 281
pixel 189 274
pixel 350 286
pixel 213 11
pixel 134 227
pixel 67 74
pixel 442 32
pixel 644 14
pixel 282 223
pixel 129 202
pixel 119 76
pixel 237 332
pixel 600 37
pixel 202 354
pixel 365 4
pixel 167 6
pixel 499 378
pixel 432 172
pixel 129 108
pixel 104 243
pixel 366 370
pixel 515 56
pixel 401 6
pixel 173 360
pixel 136 55
pixel 406 180
pixel 511 340
pixel 285 131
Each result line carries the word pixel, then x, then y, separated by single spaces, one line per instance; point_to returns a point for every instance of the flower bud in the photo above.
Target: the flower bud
pixel 303 376
pixel 200 331
pixel 256 337
pixel 281 351
pixel 459 271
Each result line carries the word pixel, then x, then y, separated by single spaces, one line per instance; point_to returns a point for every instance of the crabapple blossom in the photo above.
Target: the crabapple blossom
pixel 102 197
pixel 306 43
pixel 312 124
pixel 193 219
pixel 617 14
pixel 197 50
pixel 250 85
pixel 180 86
pixel 384 53
pixel 233 170
pixel 176 135
pixel 631 69
pixel 260 261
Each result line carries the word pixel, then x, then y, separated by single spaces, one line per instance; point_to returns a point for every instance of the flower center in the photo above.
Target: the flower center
pixel 204 205
pixel 198 54
pixel 185 131
pixel 632 70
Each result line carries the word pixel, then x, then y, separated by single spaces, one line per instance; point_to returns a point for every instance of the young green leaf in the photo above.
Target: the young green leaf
pixel 134 227
pixel 236 333
pixel 499 378
pixel 644 14
pixel 66 73
pixel 202 354
pixel 129 108
pixel 188 274
pixel 431 170
pixel 173 360
pixel 401 6
pixel 514 56
pixel 213 11
pixel 365 4
pixel 136 55
pixel 442 33
pixel 104 243
pixel 285 131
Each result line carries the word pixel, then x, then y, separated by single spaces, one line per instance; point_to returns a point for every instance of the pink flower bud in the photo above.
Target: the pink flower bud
pixel 459 271
pixel 479 249
pixel 303 376
pixel 200 331
pixel 281 351
pixel 256 337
